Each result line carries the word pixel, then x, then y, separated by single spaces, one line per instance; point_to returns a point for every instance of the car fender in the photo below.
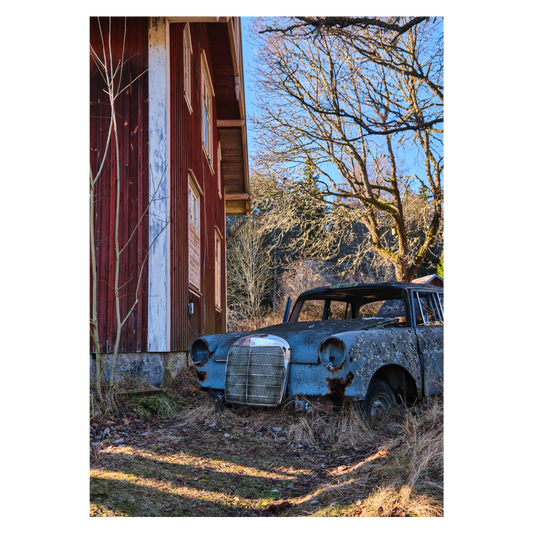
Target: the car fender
pixel 369 351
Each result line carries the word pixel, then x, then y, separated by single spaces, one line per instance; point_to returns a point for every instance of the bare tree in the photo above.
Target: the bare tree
pixel 358 103
pixel 394 25
pixel 249 272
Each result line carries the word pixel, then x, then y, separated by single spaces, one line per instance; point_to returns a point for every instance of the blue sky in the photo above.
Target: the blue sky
pixel 415 166
pixel 247 52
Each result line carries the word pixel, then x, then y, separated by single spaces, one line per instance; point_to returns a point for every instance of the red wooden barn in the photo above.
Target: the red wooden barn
pixel 182 167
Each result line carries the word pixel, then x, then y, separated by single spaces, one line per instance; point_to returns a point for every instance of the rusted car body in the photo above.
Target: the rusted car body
pixel 378 343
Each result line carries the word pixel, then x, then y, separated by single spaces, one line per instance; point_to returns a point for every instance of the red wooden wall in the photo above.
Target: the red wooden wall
pixel 187 154
pixel 129 45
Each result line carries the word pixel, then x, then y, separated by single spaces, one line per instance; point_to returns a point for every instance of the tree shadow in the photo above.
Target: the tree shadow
pixel 243 474
pixel 254 493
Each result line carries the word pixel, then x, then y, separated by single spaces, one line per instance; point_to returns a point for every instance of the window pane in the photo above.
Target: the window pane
pixel 194 237
pixel 206 129
pixel 426 310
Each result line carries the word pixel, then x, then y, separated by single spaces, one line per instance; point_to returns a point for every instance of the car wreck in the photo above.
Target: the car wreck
pixel 375 343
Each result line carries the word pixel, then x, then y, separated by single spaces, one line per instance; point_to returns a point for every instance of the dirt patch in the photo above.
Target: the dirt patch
pixel 263 462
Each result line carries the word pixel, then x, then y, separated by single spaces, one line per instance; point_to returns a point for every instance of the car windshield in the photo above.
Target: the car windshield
pixel 328 309
pixel 311 310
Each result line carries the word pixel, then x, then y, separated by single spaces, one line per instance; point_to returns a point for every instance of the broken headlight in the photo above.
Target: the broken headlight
pixel 199 351
pixel 332 353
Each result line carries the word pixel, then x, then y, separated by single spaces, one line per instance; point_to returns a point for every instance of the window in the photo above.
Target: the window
pixel 311 310
pixel 218 269
pixel 194 233
pixel 187 75
pixel 207 111
pixel 443 301
pixel 429 309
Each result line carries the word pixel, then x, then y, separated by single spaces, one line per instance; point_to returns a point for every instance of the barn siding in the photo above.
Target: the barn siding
pixel 143 134
pixel 132 116
pixel 187 155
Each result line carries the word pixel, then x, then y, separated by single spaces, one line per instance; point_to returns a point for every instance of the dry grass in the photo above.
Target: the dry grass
pixel 390 501
pixel 406 476
pixel 339 426
pixel 418 459
pixel 228 463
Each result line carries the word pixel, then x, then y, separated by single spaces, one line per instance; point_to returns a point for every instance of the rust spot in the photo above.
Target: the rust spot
pixel 201 375
pixel 337 386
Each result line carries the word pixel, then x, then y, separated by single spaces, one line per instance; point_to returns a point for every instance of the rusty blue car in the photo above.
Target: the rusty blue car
pixel 378 344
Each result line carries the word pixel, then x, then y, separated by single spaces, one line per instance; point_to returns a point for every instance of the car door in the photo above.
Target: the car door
pixel 429 325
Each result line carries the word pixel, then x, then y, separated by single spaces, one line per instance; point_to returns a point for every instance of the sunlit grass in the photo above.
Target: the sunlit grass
pixel 219 483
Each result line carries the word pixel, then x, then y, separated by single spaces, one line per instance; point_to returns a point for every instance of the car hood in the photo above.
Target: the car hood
pixel 304 338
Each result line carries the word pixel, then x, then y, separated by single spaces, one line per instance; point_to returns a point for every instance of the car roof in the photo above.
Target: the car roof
pixel 386 290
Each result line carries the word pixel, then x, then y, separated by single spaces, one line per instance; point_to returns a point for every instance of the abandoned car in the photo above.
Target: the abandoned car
pixel 376 343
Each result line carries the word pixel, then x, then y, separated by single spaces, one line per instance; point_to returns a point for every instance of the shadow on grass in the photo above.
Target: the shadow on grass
pixel 194 470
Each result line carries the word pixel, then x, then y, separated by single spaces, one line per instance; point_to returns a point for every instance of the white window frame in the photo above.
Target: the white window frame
pixel 207 96
pixel 187 66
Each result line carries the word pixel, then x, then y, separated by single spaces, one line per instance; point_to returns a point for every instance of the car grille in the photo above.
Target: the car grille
pixel 256 375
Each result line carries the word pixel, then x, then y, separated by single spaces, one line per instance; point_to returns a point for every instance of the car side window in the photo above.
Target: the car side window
pixel 429 308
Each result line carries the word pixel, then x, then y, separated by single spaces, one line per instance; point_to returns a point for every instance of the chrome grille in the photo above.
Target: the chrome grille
pixel 256 373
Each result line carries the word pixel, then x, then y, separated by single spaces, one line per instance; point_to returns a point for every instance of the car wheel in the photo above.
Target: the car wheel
pixel 379 400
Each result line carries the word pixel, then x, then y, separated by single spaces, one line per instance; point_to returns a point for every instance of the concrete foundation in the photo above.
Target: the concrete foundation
pixel 157 368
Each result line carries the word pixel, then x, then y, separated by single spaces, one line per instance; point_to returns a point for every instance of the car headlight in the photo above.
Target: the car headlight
pixel 332 353
pixel 199 351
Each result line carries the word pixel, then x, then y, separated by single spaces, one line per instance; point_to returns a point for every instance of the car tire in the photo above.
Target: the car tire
pixel 379 400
